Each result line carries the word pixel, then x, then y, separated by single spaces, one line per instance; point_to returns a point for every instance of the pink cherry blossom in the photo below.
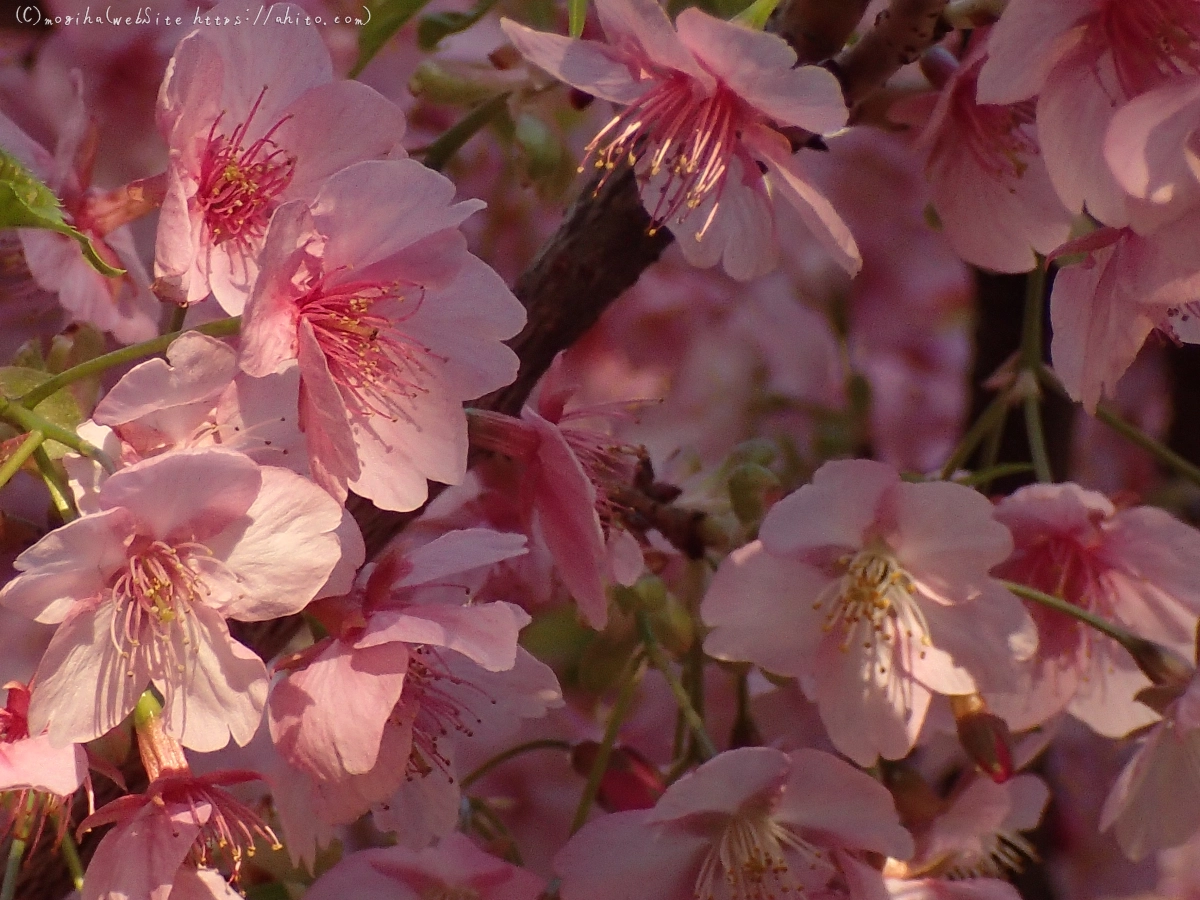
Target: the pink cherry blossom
pixel 1103 308
pixel 394 324
pixel 166 841
pixel 989 182
pixel 30 761
pixel 373 710
pixel 253 118
pixel 1085 59
pixel 572 473
pixel 1128 566
pixel 1155 802
pixel 875 593
pixel 142 587
pixel 196 397
pixel 454 868
pixel 748 823
pixel 705 101
pixel 979 832
pixel 123 306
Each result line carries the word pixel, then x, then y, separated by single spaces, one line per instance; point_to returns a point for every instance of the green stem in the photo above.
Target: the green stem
pixel 27 420
pixel 1037 439
pixel 619 711
pixel 510 753
pixel 34 396
pixel 26 450
pixel 1131 432
pixel 178 314
pixel 1118 634
pixel 60 491
pixel 16 853
pixel 983 477
pixel 70 854
pixel 1031 363
pixel 451 141
pixel 659 660
pixel 991 418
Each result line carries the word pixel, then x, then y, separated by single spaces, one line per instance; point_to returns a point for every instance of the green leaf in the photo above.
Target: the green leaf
pixel 431 29
pixel 756 14
pixel 577 15
pixel 27 203
pixel 59 408
pixel 387 17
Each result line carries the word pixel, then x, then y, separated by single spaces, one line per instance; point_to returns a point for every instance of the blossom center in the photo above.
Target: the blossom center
pixel 1151 41
pixel 373 363
pixel 239 182
pixel 682 143
pixel 872 602
pixel 436 710
pixel 752 857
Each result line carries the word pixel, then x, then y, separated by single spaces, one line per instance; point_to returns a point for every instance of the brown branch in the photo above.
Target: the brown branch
pixel 816 29
pixel 901 33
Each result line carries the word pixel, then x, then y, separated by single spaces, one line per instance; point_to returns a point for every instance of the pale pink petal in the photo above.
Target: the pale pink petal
pixel 318 124
pixel 759 67
pixel 760 609
pixel 832 797
pixel 641 28
pixel 185 495
pixel 740 234
pixel 795 186
pixel 1106 701
pixel 36 763
pixel 484 632
pixel 273 565
pixel 328 718
pixel 1147 143
pixel 587 65
pixel 140 858
pixel 201 884
pixel 222 691
pixel 723 784
pixel 69 564
pixel 360 231
pixel 1030 38
pixel 867 713
pixel 835 510
pixel 622 857
pixel 83 688
pixel 268 334
pixel 459 551
pixel 421 811
pixel 565 507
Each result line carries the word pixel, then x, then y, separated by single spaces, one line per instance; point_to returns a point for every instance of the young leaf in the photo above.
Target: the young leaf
pixel 433 28
pixel 27 203
pixel 387 17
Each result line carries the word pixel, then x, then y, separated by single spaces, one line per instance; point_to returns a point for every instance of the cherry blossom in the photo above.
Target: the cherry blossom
pixel 1085 59
pixel 989 182
pixel 253 118
pixel 394 324
pixel 1127 566
pixel 875 593
pixel 709 170
pixel 454 868
pixel 166 841
pixel 141 589
pixel 746 823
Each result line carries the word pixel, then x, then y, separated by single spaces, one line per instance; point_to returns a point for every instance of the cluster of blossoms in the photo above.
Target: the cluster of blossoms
pixel 335 570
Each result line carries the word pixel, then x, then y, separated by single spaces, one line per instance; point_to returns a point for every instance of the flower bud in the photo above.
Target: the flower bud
pixel 1160 664
pixel 630 781
pixel 752 489
pixel 984 736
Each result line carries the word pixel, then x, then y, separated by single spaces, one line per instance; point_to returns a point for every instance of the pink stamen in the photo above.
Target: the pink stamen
pixel 239 185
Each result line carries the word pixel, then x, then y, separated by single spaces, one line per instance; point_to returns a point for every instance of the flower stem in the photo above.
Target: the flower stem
pixel 1131 432
pixel 16 851
pixel 32 441
pixel 620 710
pixel 1031 363
pixel 70 853
pixel 990 420
pixel 1118 634
pixel 511 753
pixel 29 421
pixel 682 699
pixel 60 492
pixel 34 396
